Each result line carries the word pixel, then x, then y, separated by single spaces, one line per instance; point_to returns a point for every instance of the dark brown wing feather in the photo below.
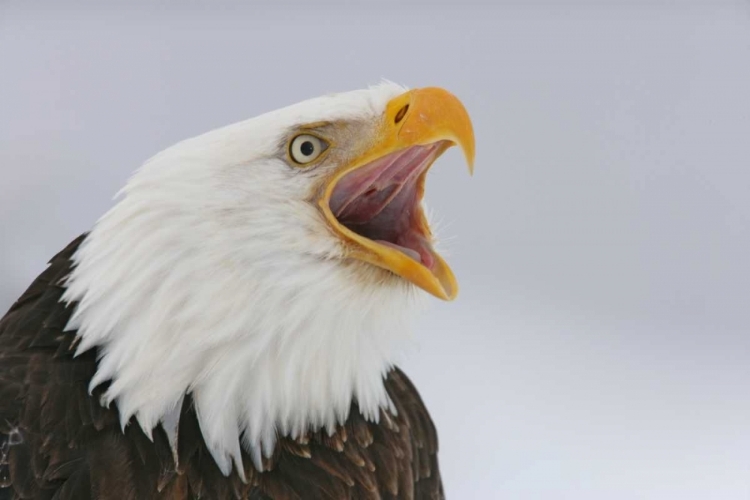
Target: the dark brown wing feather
pixel 57 442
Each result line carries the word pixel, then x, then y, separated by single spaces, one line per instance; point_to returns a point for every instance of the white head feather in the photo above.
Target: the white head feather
pixel 215 275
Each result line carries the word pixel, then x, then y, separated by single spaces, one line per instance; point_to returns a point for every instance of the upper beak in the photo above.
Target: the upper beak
pixel 416 118
pixel 434 114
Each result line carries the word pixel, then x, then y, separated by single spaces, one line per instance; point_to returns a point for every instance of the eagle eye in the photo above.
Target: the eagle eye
pixel 306 148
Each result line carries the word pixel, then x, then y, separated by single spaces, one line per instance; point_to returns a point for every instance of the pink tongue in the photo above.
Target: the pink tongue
pixel 408 251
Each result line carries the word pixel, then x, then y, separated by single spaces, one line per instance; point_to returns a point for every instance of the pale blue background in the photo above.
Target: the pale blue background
pixel 599 348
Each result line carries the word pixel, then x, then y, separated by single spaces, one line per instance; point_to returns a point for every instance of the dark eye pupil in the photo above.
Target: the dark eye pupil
pixel 307 148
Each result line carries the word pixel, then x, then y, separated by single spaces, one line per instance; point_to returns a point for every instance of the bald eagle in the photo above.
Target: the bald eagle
pixel 229 328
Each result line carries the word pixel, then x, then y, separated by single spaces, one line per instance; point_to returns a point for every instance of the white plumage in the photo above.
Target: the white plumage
pixel 255 343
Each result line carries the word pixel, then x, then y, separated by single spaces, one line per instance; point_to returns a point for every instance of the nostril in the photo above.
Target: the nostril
pixel 401 113
pixel 371 192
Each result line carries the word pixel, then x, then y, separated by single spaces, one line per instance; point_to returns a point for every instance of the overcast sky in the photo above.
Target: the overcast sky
pixel 599 347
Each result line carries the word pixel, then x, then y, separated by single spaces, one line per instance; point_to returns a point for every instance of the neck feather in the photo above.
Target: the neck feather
pixel 269 341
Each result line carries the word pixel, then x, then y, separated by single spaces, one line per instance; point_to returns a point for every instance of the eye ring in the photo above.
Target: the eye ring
pixel 306 148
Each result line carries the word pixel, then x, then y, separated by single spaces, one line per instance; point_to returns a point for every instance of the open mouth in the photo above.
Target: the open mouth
pixel 381 201
pixel 373 202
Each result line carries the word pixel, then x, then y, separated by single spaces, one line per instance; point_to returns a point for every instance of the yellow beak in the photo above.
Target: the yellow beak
pixel 416 118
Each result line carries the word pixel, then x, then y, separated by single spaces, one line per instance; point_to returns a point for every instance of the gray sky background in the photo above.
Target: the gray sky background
pixel 599 347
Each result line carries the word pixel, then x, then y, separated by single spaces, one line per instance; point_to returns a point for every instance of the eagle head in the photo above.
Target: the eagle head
pixel 268 268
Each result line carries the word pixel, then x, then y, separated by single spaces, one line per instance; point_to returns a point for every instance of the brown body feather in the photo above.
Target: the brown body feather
pixel 57 442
